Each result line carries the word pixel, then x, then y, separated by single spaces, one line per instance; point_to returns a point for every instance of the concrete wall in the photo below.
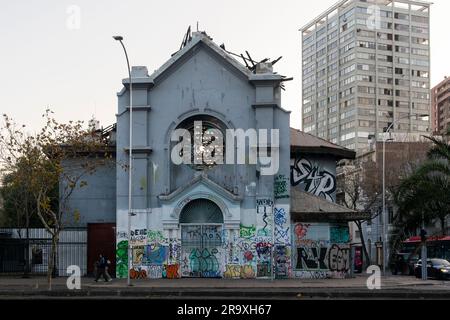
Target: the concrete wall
pixel 95 202
pixel 321 251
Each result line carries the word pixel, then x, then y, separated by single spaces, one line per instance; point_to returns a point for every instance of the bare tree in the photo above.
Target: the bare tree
pixel 58 155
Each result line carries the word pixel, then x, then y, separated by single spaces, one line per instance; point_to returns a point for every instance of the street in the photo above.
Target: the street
pixel 392 287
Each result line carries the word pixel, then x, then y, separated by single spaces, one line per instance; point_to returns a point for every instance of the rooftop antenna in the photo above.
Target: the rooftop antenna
pixel 197 26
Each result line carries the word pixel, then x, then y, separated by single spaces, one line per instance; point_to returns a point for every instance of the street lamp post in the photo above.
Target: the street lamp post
pixel 120 39
pixel 385 218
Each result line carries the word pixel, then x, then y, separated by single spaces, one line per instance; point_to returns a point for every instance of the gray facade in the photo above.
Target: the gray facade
pixel 95 202
pixel 366 65
pixel 202 82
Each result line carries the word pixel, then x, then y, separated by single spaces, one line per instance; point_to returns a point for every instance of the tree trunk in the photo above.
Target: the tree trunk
pixel 366 258
pixel 52 258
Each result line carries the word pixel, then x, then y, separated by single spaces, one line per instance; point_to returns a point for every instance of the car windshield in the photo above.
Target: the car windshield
pixel 440 262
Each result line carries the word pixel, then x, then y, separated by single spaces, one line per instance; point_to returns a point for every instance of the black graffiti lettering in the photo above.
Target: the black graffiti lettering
pixel 338 259
pixel 310 259
pixel 318 182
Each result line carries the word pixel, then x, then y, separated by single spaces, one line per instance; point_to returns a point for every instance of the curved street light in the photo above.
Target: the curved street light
pixel 120 39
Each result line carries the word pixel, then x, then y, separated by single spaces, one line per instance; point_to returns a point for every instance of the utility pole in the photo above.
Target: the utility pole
pixel 423 236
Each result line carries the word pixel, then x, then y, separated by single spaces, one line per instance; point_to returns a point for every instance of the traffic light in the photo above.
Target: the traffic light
pixel 423 235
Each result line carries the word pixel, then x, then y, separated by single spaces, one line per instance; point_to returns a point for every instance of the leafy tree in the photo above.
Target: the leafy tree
pixel 58 155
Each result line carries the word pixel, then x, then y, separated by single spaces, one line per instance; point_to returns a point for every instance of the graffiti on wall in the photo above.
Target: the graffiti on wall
pixel 282 261
pixel 156 236
pixel 174 250
pixel 138 255
pixel 312 275
pixel 138 273
pixel 264 214
pixel 322 251
pixel 247 272
pixel 247 231
pixel 204 262
pixel 171 271
pixel 281 226
pixel 155 253
pixel 339 234
pixel 263 270
pixel 301 231
pixel 122 259
pixel 230 251
pixel 232 271
pixel 155 271
pixel 281 187
pixel 320 256
pixel 315 180
pixel 138 237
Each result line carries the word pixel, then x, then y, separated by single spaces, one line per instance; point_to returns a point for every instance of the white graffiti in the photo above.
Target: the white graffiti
pixel 318 182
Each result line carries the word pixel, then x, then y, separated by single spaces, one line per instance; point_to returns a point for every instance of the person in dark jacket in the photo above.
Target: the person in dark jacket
pixel 102 269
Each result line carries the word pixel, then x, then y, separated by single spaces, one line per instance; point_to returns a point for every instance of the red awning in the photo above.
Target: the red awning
pixel 429 239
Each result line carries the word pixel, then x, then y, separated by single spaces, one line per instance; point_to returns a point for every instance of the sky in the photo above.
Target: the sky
pixel 60 54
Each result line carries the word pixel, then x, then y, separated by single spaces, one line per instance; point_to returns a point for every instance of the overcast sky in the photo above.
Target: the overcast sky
pixel 49 59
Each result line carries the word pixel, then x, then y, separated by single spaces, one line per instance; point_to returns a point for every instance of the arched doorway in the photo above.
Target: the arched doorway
pixel 201 222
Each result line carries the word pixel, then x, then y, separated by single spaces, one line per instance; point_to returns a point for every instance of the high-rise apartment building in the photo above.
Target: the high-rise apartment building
pixel 366 65
pixel 440 107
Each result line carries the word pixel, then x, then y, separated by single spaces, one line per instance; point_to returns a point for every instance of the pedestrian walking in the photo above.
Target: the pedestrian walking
pixel 102 269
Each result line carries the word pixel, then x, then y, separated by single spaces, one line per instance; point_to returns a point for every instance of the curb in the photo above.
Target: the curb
pixel 207 293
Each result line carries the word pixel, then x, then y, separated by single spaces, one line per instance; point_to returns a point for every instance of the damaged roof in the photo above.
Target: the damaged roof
pixel 302 142
pixel 199 39
pixel 306 207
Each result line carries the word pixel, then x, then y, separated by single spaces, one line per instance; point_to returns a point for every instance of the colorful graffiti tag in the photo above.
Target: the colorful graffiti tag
pixel 301 230
pixel 339 234
pixel 282 261
pixel 138 255
pixel 204 262
pixel 156 254
pixel 321 258
pixel 247 232
pixel 232 271
pixel 122 259
pixel 281 226
pixel 138 273
pixel 171 271
pixel 248 272
pixel 281 187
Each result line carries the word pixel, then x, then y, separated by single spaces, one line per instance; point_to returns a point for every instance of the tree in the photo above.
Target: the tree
pixel 359 186
pixel 58 155
pixel 361 180
pixel 424 196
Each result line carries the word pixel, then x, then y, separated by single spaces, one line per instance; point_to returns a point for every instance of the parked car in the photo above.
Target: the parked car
pixel 436 268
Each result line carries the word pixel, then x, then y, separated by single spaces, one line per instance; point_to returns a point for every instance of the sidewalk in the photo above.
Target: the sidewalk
pixel 395 287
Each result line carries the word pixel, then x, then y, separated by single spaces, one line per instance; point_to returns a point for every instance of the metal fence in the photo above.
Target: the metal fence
pixel 16 252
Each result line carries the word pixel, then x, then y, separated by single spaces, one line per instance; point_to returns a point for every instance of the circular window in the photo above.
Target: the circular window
pixel 207 139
